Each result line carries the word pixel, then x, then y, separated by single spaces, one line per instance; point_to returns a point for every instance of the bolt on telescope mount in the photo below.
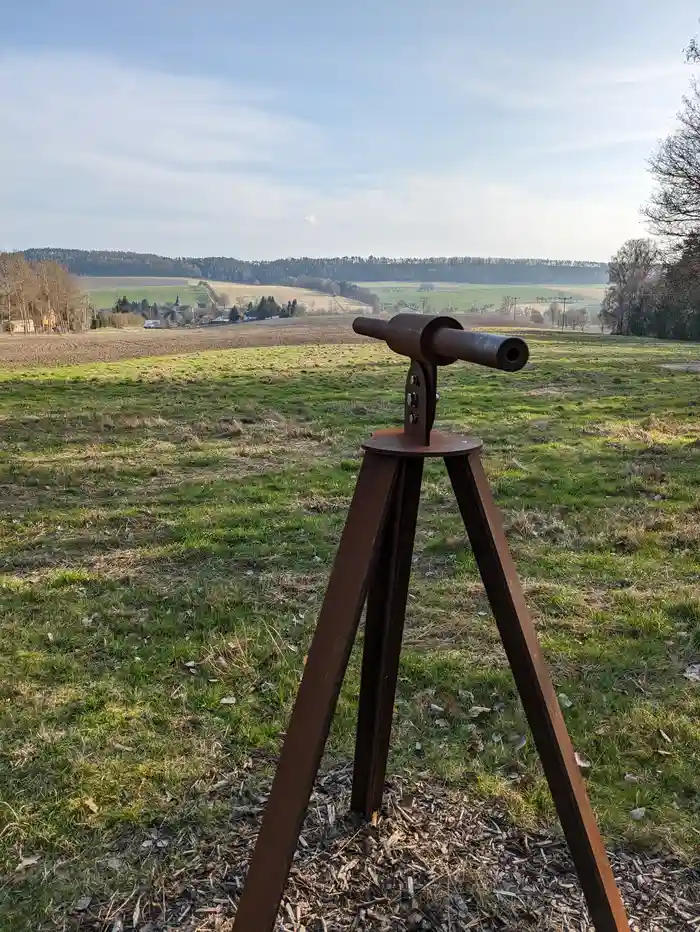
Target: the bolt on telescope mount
pixel 373 565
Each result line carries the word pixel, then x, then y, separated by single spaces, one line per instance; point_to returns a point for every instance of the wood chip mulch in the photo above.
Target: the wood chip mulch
pixel 436 860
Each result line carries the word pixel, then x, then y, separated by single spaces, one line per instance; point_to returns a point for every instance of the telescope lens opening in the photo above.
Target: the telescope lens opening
pixel 512 354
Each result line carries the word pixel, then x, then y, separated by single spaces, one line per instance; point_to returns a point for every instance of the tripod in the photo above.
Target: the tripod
pixel 373 565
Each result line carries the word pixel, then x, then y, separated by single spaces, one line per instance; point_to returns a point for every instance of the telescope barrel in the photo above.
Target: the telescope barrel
pixel 369 327
pixel 443 340
pixel 485 349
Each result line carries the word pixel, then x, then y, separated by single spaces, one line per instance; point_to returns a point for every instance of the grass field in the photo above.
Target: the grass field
pixel 166 534
pixel 463 297
pixel 104 296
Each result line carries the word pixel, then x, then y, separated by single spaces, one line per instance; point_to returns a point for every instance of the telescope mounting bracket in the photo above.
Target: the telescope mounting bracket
pixel 420 402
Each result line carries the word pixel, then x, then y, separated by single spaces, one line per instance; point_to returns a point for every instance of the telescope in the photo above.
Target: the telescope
pixel 372 567
pixel 442 340
pixel 430 342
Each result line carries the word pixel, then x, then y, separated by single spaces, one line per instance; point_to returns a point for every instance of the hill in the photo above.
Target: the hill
pixel 105 290
pixel 454 269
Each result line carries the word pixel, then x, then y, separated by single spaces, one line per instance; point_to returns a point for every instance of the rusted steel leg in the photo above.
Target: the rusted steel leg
pixel 386 609
pixel 483 523
pixel 318 693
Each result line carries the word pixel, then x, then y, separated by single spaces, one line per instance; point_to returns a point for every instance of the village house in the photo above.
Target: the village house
pixel 20 326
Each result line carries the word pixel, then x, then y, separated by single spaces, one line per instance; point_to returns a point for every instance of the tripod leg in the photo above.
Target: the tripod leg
pixel 386 608
pixel 318 693
pixel 483 524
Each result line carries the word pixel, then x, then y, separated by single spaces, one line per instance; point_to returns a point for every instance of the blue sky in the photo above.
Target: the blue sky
pixel 515 128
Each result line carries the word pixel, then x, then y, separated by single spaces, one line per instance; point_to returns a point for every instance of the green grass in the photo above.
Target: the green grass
pixel 173 511
pixel 158 294
pixel 464 297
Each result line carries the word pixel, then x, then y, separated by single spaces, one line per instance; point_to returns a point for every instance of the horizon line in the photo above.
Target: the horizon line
pixel 371 256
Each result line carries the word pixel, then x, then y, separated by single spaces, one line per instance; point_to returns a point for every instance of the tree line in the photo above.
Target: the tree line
pixel 290 271
pixel 654 285
pixel 40 295
pixel 266 308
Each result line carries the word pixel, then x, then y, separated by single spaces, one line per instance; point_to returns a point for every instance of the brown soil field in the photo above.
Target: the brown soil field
pixel 111 345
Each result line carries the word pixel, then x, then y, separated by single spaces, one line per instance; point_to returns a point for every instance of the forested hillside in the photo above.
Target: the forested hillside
pixel 469 269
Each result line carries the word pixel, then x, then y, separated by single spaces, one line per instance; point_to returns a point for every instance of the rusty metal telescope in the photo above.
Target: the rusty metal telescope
pixel 373 567
pixel 442 340
pixel 430 342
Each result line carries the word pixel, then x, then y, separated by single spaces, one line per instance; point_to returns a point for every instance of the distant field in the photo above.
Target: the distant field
pixel 464 297
pixel 315 301
pixel 105 291
pixel 102 282
pixel 112 345
pixel 104 297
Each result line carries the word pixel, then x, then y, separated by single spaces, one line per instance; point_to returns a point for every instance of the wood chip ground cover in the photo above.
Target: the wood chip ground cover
pixel 433 861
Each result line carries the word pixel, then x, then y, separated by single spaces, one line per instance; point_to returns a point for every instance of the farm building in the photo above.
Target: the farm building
pixel 20 326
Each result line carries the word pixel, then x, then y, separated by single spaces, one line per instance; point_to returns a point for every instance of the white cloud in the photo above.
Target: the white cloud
pixel 98 154
pixel 89 137
pixel 585 104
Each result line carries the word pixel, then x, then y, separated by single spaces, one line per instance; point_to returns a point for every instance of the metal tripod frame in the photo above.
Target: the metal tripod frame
pixel 373 565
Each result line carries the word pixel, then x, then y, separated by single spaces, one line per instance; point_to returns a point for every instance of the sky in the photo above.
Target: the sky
pixel 271 128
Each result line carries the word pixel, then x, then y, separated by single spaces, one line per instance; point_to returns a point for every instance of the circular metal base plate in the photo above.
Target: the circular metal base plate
pixel 395 443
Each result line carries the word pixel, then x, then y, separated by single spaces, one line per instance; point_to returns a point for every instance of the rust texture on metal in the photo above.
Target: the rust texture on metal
pixel 419 402
pixel 394 442
pixel 386 609
pixel 442 340
pixel 373 563
pixel 484 527
pixel 318 694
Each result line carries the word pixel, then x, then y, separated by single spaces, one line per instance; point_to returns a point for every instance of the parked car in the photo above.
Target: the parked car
pixel 153 325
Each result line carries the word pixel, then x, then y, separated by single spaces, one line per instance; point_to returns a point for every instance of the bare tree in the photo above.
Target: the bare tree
pixel 18 288
pixel 578 317
pixel 40 295
pixel 554 313
pixel 67 301
pixel 673 210
pixel 632 274
pixel 692 52
pixel 508 305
